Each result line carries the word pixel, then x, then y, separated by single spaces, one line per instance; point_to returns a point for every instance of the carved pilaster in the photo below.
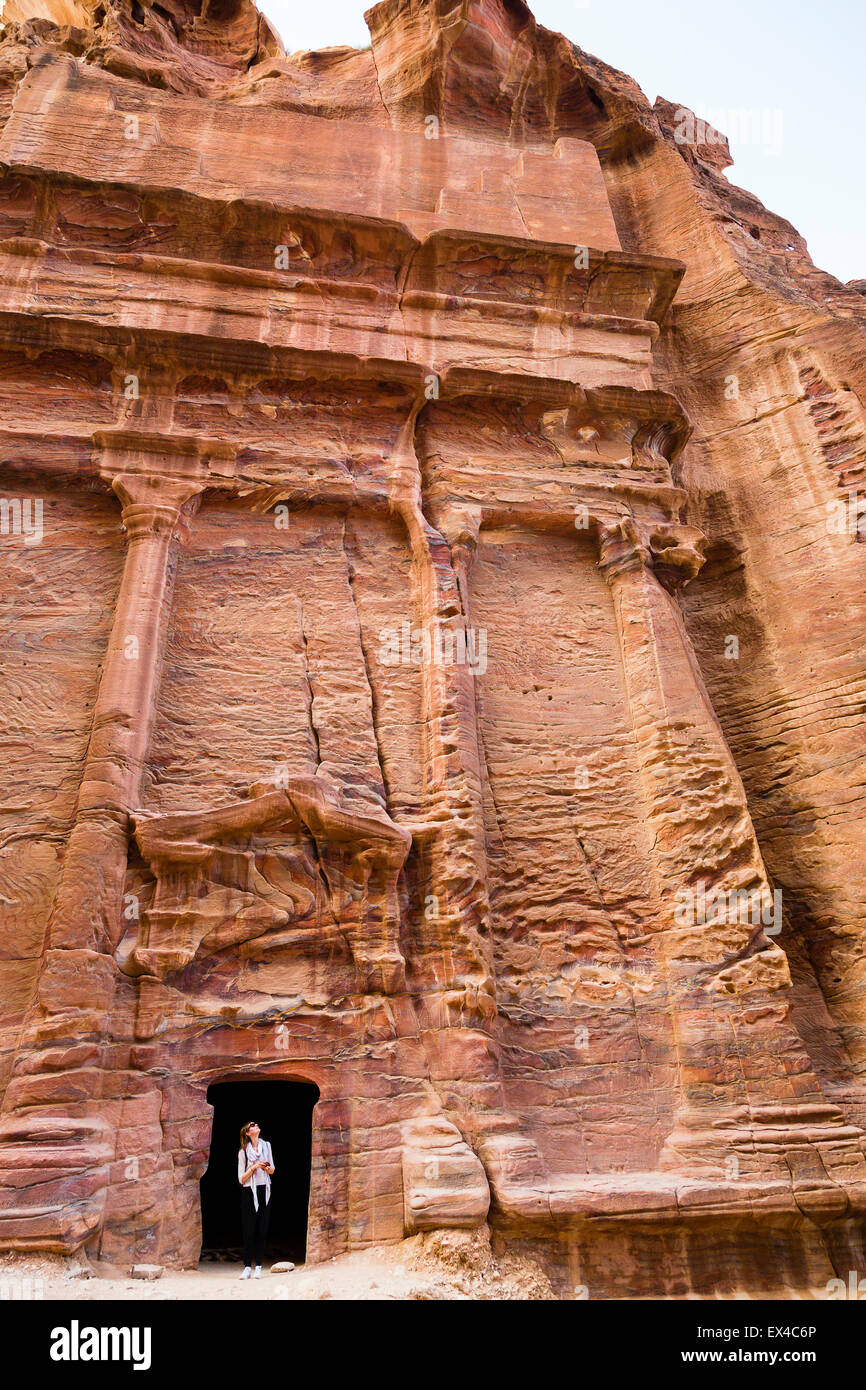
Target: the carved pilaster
pixel 86 909
pixel 54 1098
pixel 451 834
pixel 724 975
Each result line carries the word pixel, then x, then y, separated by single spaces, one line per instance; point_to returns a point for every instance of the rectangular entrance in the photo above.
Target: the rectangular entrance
pixel 284 1112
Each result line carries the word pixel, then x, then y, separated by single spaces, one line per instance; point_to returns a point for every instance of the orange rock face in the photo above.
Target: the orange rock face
pixel 432 646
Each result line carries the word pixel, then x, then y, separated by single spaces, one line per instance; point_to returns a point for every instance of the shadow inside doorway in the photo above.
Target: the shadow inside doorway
pixel 284 1110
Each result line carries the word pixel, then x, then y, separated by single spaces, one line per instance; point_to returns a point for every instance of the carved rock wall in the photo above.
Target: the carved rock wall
pixel 370 716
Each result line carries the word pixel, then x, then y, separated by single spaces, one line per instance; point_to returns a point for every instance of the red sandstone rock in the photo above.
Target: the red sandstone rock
pixel 381 509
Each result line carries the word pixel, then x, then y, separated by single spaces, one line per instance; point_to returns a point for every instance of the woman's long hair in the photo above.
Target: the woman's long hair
pixel 245 1134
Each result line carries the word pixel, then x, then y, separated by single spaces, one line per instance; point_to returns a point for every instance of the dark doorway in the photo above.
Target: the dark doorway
pixel 284 1110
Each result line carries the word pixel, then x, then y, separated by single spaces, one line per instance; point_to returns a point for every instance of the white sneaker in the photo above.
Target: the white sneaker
pixel 258 1273
pixel 247 1272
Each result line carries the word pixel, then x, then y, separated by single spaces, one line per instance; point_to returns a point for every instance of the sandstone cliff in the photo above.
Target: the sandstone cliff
pixel 512 360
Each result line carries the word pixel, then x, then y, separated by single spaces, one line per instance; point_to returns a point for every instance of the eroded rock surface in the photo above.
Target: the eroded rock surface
pixel 432 645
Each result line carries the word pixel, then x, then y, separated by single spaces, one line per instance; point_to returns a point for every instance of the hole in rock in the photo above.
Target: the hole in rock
pixel 284 1111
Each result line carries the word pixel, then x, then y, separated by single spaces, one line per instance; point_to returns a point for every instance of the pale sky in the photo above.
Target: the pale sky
pixel 789 70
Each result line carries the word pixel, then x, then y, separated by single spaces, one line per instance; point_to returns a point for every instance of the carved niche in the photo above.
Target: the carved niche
pixel 233 874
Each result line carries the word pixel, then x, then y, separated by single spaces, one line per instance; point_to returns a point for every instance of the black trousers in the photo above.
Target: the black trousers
pixel 255 1225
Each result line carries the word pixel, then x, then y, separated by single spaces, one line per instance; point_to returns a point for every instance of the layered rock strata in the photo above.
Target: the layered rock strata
pixel 419 605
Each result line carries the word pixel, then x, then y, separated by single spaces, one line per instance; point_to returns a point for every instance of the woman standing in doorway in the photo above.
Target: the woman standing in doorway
pixel 255 1166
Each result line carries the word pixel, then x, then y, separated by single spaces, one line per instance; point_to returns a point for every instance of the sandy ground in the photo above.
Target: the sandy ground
pixel 441 1265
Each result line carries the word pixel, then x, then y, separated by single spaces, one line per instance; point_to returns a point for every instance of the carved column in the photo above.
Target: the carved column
pixel 746 1083
pixel 451 834
pixel 456 1003
pixel 54 1118
pixel 87 908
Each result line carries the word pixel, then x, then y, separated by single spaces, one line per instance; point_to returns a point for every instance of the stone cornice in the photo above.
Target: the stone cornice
pixel 560 335
pixel 482 306
pixel 605 274
pixel 417 268
pixel 151 452
pixel 660 428
pixel 199 352
pixel 585 510
pixel 667 426
pixel 304 801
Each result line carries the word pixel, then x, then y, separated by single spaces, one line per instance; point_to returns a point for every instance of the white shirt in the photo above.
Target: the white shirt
pixel 246 1158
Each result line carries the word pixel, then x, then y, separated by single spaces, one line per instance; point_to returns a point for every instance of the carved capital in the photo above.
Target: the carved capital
pixel 673 552
pixel 678 552
pixel 621 549
pixel 460 526
pixel 152 505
